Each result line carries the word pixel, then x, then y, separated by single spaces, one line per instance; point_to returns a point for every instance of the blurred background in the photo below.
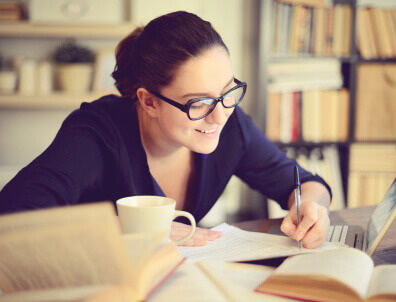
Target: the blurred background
pixel 321 80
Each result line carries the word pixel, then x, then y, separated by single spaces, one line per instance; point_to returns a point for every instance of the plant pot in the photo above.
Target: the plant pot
pixel 75 77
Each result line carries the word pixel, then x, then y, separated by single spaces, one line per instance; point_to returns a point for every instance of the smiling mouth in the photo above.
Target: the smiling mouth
pixel 206 131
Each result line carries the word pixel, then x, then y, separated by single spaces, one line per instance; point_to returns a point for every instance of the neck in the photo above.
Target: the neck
pixel 153 139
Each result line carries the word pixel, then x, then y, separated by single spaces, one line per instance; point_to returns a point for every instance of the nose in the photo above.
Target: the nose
pixel 218 115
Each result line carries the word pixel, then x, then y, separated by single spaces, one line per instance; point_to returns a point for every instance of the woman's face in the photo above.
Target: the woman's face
pixel 209 74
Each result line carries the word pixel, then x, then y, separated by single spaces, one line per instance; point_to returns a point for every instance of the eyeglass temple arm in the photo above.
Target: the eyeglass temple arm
pixel 182 107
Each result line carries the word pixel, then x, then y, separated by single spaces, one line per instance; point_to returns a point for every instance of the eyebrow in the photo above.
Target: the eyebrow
pixel 205 94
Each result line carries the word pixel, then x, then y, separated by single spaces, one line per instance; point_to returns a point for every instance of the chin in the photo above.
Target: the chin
pixel 205 149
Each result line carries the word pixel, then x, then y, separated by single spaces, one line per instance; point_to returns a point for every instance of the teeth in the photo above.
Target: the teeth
pixel 206 131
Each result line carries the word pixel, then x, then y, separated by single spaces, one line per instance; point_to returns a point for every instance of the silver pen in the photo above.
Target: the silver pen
pixel 297 193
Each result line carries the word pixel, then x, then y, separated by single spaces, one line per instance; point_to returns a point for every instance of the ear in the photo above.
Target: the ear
pixel 147 102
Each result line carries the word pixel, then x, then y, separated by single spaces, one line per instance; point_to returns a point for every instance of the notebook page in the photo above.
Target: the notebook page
pixel 239 245
pixel 238 281
pixel 187 284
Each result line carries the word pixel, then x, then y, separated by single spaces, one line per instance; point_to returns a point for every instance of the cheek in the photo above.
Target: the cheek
pixel 229 111
pixel 172 121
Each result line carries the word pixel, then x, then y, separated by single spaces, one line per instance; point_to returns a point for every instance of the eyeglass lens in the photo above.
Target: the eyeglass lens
pixel 200 108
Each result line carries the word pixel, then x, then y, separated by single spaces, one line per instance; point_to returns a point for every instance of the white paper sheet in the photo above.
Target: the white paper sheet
pixel 239 245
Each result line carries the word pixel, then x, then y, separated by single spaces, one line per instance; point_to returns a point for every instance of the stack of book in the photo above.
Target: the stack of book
pixel 10 11
pixel 372 170
pixel 301 74
pixel 376 32
pixel 311 28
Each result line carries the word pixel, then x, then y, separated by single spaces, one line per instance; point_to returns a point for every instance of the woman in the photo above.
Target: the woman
pixel 175 131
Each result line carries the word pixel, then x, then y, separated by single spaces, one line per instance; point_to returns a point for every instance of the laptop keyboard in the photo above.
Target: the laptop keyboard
pixel 349 235
pixel 337 233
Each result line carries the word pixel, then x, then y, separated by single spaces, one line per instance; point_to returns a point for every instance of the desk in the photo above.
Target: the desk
pixel 385 252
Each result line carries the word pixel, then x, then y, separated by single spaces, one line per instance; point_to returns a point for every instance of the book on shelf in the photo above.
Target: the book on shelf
pixel 74 252
pixel 371 171
pixel 376 32
pixel 10 11
pixel 316 3
pixel 311 115
pixel 304 74
pixel 375 102
pixel 329 32
pixel 343 274
pixel 311 29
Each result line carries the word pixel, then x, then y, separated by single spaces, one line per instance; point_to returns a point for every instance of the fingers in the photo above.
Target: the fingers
pixel 316 236
pixel 201 236
pixel 313 226
pixel 309 216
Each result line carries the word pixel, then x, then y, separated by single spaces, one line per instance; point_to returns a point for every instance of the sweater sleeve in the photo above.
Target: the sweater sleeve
pixel 75 162
pixel 266 168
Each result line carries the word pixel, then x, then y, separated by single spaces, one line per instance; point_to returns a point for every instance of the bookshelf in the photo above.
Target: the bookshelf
pixel 290 39
pixel 27 29
pixel 56 100
pixel 30 122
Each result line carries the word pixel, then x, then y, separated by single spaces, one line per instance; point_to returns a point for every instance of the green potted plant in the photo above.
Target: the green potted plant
pixel 75 65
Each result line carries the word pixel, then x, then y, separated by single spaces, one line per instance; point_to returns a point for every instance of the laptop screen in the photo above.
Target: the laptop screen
pixel 381 219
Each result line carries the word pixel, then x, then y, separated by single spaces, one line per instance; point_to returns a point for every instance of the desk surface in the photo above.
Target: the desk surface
pixel 385 252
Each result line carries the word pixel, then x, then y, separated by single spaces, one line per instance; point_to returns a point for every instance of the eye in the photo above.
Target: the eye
pixel 229 94
pixel 202 103
pixel 197 105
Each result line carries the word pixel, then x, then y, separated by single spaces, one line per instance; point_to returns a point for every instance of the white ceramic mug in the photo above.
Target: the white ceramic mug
pixel 150 214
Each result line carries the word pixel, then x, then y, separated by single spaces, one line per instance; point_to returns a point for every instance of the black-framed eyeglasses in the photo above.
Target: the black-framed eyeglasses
pixel 199 108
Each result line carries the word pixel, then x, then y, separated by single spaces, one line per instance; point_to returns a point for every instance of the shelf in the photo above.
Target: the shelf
pixel 286 58
pixel 301 144
pixel 377 60
pixel 52 101
pixel 26 29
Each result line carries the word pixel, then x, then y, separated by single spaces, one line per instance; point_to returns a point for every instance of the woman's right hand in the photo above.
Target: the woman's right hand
pixel 201 236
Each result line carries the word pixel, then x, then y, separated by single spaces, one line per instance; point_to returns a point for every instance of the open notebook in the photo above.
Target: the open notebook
pixel 368 240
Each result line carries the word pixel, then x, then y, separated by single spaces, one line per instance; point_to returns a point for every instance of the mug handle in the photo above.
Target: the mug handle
pixel 192 221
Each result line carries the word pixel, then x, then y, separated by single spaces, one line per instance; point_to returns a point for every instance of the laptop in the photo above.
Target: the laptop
pixel 380 221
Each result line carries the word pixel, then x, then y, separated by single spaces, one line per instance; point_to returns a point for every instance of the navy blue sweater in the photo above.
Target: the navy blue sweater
pixel 98 155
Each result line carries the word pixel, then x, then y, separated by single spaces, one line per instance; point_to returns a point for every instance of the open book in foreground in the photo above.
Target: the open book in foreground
pixel 344 274
pixel 71 253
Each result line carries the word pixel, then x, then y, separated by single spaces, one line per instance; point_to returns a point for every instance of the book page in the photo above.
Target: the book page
pixel 49 217
pixel 238 281
pixel 73 251
pixel 141 246
pixel 383 281
pixel 347 265
pixel 239 245
pixel 153 258
pixel 187 284
pixel 54 294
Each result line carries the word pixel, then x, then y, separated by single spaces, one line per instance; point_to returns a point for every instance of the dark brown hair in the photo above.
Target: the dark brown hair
pixel 149 56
